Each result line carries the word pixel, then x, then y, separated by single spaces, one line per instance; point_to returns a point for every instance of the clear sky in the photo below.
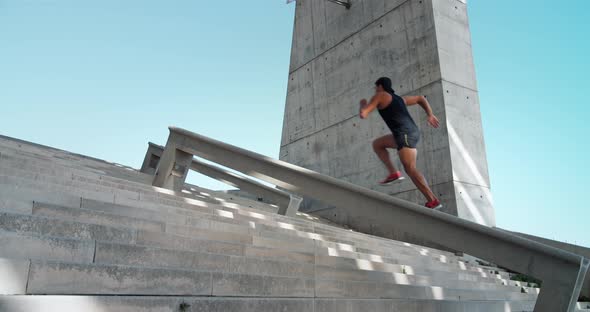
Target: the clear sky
pixel 103 78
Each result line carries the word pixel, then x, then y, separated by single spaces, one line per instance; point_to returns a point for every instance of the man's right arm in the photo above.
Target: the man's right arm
pixel 367 108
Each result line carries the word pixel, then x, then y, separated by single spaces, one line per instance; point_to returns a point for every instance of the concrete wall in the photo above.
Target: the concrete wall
pixel 425 47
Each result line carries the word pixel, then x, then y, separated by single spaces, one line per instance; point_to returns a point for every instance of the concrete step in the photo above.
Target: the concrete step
pixel 208 240
pixel 376 290
pixel 387 254
pixel 279 242
pixel 23 160
pixel 147 211
pixel 8 144
pixel 326 261
pixel 57 214
pixel 319 229
pixel 18 195
pixel 111 220
pixel 259 247
pixel 199 222
pixel 43 226
pixel 266 247
pixel 77 214
pixel 183 235
pixel 143 179
pixel 109 194
pixel 70 188
pixel 157 257
pixel 96 217
pixel 435 279
pixel 47 277
pixel 408 268
pixel 53 166
pixel 17 189
pixel 410 305
pixel 125 254
pixel 306 234
pixel 51 248
pixel 49 166
pixel 95 279
pixel 17 165
pixel 47 230
pixel 246 304
pixel 31 246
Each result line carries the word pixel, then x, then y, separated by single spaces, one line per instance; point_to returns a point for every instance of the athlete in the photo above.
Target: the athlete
pixel 405 134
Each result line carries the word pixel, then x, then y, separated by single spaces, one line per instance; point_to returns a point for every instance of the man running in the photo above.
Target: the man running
pixel 405 134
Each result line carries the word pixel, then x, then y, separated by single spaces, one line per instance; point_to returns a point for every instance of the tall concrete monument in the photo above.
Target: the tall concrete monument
pixel 424 46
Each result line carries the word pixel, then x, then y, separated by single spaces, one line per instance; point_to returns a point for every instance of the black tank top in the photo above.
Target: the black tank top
pixel 397 117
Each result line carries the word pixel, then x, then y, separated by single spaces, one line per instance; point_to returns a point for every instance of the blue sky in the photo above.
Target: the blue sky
pixel 102 78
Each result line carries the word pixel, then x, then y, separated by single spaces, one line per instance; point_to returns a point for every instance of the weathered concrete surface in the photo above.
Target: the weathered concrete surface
pixel 14 276
pixel 72 159
pixel 172 169
pixel 385 305
pixel 425 47
pixel 562 272
pixel 59 228
pixel 264 286
pixel 93 247
pixel 96 217
pixel 582 251
pixel 228 304
pixel 48 248
pixel 151 304
pixel 288 204
pixel 151 159
pixel 63 278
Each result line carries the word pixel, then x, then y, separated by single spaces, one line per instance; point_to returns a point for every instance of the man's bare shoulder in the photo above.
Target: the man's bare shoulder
pixel 383 95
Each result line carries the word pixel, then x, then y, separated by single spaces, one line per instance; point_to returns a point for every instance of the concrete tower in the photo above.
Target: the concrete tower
pixel 425 47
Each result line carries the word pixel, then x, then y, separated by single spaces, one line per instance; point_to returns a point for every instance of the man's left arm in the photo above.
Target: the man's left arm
pixel 423 102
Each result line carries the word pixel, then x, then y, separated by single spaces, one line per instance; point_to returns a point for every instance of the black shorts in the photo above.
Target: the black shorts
pixel 406 139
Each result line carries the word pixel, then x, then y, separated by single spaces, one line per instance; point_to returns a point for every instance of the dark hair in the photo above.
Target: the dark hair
pixel 385 83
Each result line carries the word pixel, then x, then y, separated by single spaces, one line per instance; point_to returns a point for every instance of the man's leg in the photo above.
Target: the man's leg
pixel 380 146
pixel 408 157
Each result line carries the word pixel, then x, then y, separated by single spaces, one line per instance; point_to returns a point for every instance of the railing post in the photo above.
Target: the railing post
pixel 560 291
pixel 579 250
pixel 173 167
pixel 151 159
pixel 292 208
pixel 288 203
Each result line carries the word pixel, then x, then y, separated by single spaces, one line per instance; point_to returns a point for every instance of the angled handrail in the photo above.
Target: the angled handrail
pixel 288 204
pixel 562 272
pixel 579 250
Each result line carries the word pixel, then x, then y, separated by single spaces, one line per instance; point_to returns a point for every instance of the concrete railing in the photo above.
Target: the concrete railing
pixel 562 272
pixel 288 204
pixel 578 250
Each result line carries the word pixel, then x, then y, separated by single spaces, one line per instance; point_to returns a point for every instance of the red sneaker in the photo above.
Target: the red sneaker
pixel 392 178
pixel 434 205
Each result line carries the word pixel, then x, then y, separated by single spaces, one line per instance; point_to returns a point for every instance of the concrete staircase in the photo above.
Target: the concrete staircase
pixel 81 234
